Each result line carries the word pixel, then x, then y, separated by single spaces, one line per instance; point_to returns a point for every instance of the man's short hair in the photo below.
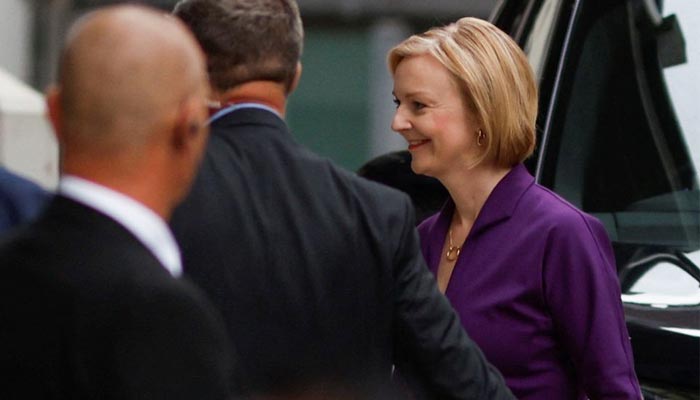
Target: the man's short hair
pixel 246 40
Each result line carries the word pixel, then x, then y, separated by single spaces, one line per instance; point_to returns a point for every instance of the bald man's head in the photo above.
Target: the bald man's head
pixel 123 71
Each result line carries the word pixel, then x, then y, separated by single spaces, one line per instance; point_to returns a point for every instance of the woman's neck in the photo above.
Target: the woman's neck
pixel 470 189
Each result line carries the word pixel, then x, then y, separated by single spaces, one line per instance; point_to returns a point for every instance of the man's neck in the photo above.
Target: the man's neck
pixel 271 94
pixel 146 188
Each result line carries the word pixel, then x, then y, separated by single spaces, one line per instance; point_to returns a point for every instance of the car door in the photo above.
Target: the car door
pixel 611 142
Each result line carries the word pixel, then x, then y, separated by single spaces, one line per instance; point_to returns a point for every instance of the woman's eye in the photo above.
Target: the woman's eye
pixel 396 102
pixel 418 105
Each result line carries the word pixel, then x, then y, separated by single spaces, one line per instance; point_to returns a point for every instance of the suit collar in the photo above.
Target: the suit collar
pixel 227 109
pixel 139 220
pixel 257 122
pixel 250 115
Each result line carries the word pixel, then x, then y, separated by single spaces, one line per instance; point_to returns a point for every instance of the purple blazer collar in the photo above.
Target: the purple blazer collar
pixel 500 204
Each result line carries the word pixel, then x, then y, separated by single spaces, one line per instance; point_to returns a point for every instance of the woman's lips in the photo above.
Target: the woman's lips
pixel 414 144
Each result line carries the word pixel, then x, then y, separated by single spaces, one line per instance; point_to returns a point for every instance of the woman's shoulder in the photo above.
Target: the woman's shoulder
pixel 571 236
pixel 555 212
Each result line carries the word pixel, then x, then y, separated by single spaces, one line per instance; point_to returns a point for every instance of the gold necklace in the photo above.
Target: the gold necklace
pixel 452 251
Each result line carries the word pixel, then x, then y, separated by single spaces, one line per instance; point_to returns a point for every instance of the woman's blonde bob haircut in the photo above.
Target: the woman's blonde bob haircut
pixel 497 80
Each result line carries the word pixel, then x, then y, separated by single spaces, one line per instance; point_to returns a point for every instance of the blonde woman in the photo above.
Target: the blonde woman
pixel 532 277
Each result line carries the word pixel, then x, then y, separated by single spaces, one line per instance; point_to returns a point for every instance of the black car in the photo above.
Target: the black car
pixel 611 142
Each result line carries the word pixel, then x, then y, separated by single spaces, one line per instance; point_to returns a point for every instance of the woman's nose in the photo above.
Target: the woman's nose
pixel 399 123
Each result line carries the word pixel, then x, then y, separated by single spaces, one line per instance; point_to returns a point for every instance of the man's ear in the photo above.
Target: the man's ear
pixel 53 110
pixel 297 78
pixel 189 125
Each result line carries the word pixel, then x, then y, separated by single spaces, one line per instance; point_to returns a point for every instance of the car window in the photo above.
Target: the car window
pixel 621 140
pixel 537 44
pixel 618 151
pixel 618 138
pixel 682 80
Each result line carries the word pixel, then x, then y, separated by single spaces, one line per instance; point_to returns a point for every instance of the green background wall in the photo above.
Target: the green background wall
pixel 329 112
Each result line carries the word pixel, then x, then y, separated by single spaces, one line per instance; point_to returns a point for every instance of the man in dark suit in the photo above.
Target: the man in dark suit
pixel 90 302
pixel 317 272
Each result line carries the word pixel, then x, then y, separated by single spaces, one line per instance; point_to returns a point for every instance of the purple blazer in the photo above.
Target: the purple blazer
pixel 535 286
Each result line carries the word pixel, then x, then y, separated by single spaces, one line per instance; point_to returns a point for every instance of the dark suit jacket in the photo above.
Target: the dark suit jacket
pixel 86 311
pixel 317 272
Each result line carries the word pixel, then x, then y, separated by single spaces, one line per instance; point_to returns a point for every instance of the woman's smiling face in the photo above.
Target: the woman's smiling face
pixel 433 116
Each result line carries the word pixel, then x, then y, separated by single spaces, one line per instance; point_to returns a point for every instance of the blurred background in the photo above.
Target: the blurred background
pixel 341 110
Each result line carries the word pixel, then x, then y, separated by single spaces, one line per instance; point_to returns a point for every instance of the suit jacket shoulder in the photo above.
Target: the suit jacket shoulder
pixel 87 311
pixel 317 272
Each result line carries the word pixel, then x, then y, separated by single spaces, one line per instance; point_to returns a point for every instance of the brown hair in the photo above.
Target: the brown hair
pixel 246 40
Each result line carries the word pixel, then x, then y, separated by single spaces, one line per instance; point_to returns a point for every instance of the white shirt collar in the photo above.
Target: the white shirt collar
pixel 148 227
pixel 234 107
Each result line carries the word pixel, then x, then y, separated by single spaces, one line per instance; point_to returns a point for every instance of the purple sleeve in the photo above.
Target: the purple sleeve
pixel 583 294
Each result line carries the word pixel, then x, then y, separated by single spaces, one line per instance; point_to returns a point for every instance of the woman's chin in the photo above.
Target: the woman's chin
pixel 419 168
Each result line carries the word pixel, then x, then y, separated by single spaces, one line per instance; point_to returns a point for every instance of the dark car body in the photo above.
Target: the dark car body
pixel 610 143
